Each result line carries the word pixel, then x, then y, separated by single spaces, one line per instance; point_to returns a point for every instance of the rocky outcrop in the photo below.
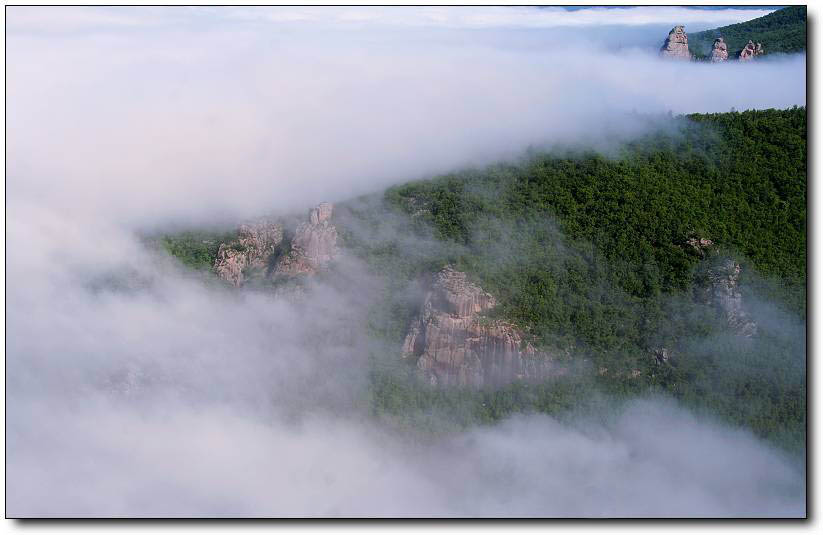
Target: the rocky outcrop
pixel 676 45
pixel 254 245
pixel 699 245
pixel 314 244
pixel 454 344
pixel 261 250
pixel 661 355
pixel 726 296
pixel 751 51
pixel 720 52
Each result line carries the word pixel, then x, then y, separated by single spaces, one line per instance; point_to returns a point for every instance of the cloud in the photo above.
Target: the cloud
pixel 34 19
pixel 247 119
pixel 164 395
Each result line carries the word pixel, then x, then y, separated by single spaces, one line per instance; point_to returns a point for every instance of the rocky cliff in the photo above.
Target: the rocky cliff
pixel 676 45
pixel 720 52
pixel 453 343
pixel 750 51
pixel 314 244
pixel 724 293
pixel 261 250
pixel 254 245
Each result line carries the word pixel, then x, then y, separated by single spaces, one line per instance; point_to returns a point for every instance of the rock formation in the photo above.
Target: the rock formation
pixel 726 296
pixel 661 355
pixel 720 51
pixel 699 245
pixel 254 245
pixel 453 343
pixel 676 45
pixel 261 246
pixel 750 51
pixel 314 244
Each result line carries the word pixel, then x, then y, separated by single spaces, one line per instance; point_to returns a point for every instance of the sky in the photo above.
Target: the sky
pixel 166 396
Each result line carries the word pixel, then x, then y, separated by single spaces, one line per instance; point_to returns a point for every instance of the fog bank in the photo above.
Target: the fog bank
pixel 227 114
pixel 137 388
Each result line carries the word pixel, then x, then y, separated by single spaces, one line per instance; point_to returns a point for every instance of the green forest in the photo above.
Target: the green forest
pixel 589 254
pixel 783 31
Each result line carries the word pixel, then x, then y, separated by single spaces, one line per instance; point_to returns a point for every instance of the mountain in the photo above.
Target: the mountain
pixel 674 265
pixel 783 30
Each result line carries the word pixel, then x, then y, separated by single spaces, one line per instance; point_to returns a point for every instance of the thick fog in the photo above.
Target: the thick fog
pixel 135 387
pixel 191 114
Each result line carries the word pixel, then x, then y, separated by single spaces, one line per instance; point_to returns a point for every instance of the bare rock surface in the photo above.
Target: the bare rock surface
pixel 314 244
pixel 726 296
pixel 454 344
pixel 255 243
pixel 676 45
pixel 751 51
pixel 720 52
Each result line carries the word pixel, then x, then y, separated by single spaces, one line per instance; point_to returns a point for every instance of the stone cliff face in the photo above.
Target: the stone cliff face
pixel 259 244
pixel 725 295
pixel 314 244
pixel 750 51
pixel 720 52
pixel 454 345
pixel 252 248
pixel 676 45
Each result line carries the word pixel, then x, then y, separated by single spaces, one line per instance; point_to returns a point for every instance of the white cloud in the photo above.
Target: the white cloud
pixel 163 395
pixel 244 120
pixel 87 18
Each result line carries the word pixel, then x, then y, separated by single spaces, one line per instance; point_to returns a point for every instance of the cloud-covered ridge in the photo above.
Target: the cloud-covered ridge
pixel 137 388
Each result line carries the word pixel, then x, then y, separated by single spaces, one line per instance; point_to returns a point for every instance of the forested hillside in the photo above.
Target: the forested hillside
pixel 593 256
pixel 781 31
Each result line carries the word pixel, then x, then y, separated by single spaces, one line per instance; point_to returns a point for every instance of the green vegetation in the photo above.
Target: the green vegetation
pixel 590 253
pixel 196 249
pixel 781 31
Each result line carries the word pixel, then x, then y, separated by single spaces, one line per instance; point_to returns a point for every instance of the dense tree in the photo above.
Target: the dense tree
pixel 783 31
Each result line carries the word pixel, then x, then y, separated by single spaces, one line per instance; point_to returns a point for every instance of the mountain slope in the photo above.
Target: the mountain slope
pixel 595 255
pixel 612 264
pixel 781 31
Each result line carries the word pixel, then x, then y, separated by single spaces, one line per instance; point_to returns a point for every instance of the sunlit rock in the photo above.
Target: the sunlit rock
pixel 314 244
pixel 454 344
pixel 676 45
pixel 720 52
pixel 252 248
pixel 751 51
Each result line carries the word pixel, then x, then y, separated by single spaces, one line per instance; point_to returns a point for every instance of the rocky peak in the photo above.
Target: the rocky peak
pixel 453 344
pixel 720 51
pixel 750 51
pixel 255 242
pixel 676 45
pixel 314 244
